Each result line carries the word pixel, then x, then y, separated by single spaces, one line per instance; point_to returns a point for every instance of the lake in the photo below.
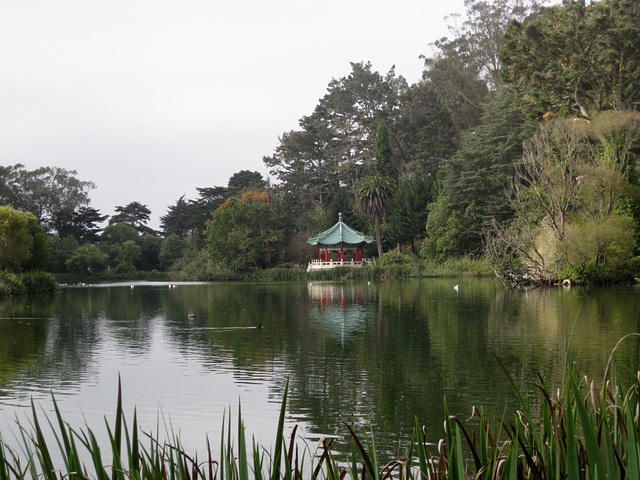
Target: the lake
pixel 372 355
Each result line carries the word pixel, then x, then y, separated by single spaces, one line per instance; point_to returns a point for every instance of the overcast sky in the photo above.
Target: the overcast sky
pixel 152 98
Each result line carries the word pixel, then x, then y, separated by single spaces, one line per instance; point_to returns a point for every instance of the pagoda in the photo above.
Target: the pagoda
pixel 339 238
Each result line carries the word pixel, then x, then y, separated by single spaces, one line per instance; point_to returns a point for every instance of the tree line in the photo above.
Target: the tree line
pixel 519 145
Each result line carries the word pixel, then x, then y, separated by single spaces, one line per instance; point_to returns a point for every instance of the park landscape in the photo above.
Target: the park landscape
pixel 514 158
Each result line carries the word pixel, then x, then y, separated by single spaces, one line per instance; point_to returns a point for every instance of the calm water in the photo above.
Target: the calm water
pixel 365 354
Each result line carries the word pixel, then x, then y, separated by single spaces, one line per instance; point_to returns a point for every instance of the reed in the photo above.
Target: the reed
pixel 582 432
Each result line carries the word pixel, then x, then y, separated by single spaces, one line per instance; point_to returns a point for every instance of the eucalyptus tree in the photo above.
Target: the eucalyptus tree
pixel 465 68
pixel 52 194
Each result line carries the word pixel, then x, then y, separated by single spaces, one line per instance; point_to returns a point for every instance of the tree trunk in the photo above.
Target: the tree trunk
pixel 378 234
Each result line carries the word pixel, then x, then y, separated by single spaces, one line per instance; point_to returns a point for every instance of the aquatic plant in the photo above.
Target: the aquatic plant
pixel 581 432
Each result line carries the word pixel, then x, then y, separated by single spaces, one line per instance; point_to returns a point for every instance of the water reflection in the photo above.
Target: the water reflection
pixel 365 354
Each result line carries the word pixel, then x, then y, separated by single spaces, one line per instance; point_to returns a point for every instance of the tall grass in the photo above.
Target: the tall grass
pixel 582 432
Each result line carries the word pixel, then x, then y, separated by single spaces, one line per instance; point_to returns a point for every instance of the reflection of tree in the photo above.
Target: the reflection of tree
pixel 363 354
pixel 561 325
pixel 54 338
pixel 22 335
pixel 381 354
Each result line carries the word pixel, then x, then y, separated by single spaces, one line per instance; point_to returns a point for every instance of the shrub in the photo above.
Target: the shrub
pixel 10 284
pixel 456 267
pixel 38 282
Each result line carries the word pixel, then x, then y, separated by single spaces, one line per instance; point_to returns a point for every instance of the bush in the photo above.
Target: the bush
pixel 38 282
pixel 599 274
pixel 195 265
pixel 396 258
pixel 124 270
pixel 278 274
pixel 10 284
pixel 454 267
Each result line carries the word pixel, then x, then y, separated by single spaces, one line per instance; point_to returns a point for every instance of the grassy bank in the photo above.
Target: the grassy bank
pixel 393 265
pixel 581 431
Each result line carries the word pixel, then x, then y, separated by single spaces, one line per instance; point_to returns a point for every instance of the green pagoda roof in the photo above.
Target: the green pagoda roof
pixel 340 233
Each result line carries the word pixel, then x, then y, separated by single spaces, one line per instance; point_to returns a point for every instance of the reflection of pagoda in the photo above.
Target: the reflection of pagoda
pixel 339 238
pixel 339 310
pixel 337 294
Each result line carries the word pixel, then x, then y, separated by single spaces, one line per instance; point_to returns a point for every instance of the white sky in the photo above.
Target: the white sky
pixel 152 98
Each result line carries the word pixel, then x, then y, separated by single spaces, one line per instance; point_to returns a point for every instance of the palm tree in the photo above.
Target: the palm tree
pixel 375 197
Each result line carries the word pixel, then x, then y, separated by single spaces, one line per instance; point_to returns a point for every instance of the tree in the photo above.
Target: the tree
pixel 375 196
pixel 575 59
pixel 475 181
pixel 465 68
pixel 409 216
pixel 423 132
pixel 23 244
pixel 384 153
pixel 335 146
pixel 134 214
pixel 87 259
pixel 150 246
pixel 119 233
pixel 245 180
pixel 114 236
pixel 10 188
pixel 571 201
pixel 81 223
pixel 243 232
pixel 127 253
pixel 171 250
pixel 178 219
pixel 189 218
pixel 50 193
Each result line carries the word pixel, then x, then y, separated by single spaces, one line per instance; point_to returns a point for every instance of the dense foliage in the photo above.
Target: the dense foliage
pixel 519 145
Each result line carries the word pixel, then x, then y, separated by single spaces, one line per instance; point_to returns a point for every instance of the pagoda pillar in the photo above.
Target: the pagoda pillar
pixel 341 252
